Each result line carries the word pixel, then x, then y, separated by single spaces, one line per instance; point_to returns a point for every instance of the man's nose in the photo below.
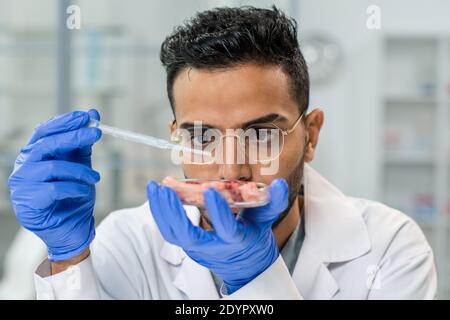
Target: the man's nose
pixel 235 172
pixel 233 166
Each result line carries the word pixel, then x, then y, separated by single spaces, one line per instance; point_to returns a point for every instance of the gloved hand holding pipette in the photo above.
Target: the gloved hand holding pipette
pixel 53 184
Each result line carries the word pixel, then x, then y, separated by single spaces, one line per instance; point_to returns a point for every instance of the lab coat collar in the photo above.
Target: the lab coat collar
pixel 334 232
pixel 334 227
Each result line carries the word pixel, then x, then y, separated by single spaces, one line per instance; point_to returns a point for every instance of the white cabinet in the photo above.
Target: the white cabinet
pixel 415 137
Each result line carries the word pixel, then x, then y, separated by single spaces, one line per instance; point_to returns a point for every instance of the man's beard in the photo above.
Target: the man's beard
pixel 294 182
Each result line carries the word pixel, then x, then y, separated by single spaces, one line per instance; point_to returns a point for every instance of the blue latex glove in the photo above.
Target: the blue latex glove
pixel 52 184
pixel 238 249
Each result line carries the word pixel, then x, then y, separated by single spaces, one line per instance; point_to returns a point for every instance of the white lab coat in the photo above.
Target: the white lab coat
pixel 353 249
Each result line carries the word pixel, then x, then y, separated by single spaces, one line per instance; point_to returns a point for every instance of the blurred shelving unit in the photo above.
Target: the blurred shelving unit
pixel 26 79
pixel 415 148
pixel 103 61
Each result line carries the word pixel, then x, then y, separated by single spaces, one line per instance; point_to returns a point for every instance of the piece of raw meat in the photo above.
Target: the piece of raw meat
pixel 236 193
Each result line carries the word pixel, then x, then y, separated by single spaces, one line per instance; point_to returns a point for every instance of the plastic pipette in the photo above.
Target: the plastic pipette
pixel 142 138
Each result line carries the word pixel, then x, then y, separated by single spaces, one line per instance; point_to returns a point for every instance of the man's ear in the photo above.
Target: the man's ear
pixel 313 124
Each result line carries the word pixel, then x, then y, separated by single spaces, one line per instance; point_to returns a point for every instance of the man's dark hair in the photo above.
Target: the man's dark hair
pixel 227 37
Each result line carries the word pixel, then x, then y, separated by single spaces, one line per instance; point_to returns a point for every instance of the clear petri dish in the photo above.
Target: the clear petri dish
pixel 238 194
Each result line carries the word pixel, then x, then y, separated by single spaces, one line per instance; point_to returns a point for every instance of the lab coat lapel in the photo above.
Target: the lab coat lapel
pixel 335 231
pixel 312 277
pixel 194 280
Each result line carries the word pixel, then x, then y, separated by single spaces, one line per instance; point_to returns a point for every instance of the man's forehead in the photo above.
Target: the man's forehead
pixel 233 96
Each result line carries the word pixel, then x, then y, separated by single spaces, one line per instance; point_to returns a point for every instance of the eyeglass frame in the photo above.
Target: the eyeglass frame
pixel 285 133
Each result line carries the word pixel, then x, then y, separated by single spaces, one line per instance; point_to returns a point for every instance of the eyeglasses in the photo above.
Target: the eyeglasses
pixel 258 143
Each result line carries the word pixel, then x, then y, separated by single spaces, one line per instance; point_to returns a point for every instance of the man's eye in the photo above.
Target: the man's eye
pixel 200 139
pixel 264 135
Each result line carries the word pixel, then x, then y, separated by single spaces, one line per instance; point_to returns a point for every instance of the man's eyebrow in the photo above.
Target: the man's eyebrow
pixel 272 117
pixel 190 125
pixel 263 119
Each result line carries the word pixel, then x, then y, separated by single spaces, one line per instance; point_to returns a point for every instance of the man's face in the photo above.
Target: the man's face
pixel 231 98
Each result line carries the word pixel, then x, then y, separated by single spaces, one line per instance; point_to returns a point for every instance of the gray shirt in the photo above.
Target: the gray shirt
pixel 289 253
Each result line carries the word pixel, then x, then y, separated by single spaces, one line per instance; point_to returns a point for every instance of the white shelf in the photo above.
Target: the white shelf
pixel 412 160
pixel 39 32
pixel 410 98
pixel 46 92
pixel 430 224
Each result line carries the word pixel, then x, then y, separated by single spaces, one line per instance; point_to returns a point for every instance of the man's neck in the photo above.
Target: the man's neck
pixel 286 227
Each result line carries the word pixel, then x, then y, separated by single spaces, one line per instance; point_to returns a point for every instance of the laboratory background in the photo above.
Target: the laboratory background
pixel 379 69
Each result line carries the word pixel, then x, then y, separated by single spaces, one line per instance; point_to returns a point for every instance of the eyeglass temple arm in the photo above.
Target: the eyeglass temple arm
pixel 286 132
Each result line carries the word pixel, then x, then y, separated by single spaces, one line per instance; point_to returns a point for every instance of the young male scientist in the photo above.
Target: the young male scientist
pixel 230 68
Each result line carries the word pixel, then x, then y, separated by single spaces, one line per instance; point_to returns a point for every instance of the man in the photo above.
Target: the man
pixel 230 68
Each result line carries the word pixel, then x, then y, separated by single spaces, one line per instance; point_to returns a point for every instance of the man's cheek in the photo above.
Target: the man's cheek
pixel 268 178
pixel 288 162
pixel 193 171
pixel 271 168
